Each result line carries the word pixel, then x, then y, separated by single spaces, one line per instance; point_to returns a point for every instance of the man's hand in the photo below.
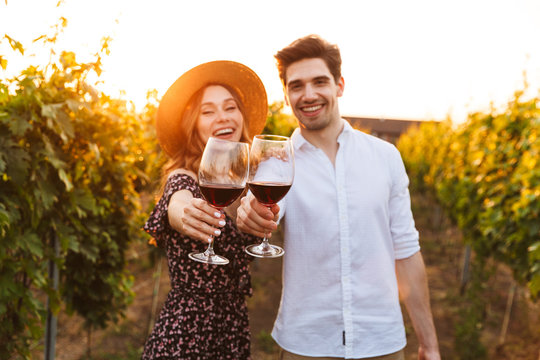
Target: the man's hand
pixel 255 218
pixel 424 354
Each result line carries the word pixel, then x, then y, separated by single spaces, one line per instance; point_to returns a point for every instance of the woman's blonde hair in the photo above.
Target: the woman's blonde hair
pixel 190 152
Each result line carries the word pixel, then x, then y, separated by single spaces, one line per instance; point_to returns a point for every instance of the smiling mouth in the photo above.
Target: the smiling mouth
pixel 311 108
pixel 225 131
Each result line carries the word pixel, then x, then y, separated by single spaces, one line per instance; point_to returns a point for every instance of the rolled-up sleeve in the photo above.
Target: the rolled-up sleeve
pixel 404 234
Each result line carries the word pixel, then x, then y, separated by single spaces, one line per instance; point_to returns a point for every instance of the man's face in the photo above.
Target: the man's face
pixel 312 93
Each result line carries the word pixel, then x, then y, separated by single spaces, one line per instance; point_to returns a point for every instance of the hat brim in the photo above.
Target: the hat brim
pixel 239 77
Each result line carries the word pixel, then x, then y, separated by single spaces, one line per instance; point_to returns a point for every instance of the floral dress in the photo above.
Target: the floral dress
pixel 205 315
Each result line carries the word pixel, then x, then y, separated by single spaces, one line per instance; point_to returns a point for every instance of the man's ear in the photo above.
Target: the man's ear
pixel 341 86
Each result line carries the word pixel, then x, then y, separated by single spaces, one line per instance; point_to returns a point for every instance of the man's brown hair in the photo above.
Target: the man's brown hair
pixel 309 47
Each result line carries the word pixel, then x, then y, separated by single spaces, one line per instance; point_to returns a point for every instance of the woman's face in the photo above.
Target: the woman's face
pixel 220 115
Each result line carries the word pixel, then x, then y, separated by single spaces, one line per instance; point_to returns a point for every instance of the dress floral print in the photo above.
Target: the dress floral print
pixel 205 315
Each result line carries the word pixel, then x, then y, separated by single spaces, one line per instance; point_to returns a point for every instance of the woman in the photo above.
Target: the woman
pixel 205 314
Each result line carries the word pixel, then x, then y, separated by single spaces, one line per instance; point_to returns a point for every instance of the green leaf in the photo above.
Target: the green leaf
pixel 8 287
pixel 3 309
pixel 18 163
pixel 39 38
pixel 86 200
pixel 73 105
pixel 15 45
pixel 65 124
pixel 68 59
pixel 89 250
pixel 65 179
pixel 46 193
pixel 60 118
pixel 50 110
pixel 534 285
pixel 4 215
pixel 19 125
pixel 51 154
pixel 31 242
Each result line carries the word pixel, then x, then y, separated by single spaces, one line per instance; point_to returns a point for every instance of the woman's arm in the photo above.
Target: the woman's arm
pixel 194 217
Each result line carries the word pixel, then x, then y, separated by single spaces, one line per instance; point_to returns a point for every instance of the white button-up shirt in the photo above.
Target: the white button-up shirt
pixel 344 227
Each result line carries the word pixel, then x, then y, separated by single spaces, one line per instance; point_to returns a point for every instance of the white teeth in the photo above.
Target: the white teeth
pixel 312 108
pixel 223 131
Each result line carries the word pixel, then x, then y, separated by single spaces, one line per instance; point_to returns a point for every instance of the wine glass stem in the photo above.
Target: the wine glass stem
pixel 264 244
pixel 210 250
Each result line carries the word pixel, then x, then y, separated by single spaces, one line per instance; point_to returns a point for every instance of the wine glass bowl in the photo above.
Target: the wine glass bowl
pixel 271 173
pixel 222 179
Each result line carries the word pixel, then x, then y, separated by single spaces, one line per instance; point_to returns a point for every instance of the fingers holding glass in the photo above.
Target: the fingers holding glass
pixel 202 223
pixel 255 218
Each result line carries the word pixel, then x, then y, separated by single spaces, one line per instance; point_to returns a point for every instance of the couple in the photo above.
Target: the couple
pixel 349 234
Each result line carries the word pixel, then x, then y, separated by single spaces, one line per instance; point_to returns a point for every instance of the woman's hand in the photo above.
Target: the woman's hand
pixel 194 217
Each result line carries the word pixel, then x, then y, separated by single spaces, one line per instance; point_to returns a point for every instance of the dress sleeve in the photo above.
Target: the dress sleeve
pixel 157 224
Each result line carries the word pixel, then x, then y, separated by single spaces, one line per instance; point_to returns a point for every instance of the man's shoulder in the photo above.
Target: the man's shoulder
pixel 373 141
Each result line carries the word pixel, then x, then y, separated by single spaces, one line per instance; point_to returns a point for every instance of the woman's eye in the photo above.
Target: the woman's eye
pixel 231 108
pixel 207 112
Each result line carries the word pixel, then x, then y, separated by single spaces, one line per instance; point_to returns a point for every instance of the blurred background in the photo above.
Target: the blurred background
pixel 454 85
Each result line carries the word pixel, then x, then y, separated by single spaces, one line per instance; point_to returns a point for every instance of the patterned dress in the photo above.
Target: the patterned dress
pixel 205 315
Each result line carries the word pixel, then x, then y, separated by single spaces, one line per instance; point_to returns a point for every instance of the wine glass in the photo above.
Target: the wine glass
pixel 222 179
pixel 271 173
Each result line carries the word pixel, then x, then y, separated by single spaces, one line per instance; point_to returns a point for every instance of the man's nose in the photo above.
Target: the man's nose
pixel 309 93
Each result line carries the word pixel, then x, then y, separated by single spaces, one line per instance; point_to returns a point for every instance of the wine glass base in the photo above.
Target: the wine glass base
pixel 209 259
pixel 268 251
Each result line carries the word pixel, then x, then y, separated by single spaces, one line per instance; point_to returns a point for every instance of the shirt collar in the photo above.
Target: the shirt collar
pixel 299 141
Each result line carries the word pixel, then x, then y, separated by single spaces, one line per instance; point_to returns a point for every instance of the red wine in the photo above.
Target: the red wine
pixel 269 193
pixel 221 195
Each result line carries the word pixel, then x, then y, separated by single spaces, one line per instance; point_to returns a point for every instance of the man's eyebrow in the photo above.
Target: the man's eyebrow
pixel 294 82
pixel 317 78
pixel 322 77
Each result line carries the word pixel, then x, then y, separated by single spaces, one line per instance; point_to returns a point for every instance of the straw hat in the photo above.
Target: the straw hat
pixel 239 77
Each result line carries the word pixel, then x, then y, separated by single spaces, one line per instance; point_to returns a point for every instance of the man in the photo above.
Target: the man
pixel 349 235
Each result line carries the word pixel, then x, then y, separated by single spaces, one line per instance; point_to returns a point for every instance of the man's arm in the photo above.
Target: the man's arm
pixel 413 290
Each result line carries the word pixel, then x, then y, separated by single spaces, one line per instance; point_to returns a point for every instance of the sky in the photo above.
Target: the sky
pixel 415 59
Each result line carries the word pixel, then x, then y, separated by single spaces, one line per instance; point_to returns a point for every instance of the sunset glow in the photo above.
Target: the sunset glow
pixel 415 60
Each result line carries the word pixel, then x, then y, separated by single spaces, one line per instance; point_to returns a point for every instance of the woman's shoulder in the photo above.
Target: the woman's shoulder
pixel 182 174
pixel 179 179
